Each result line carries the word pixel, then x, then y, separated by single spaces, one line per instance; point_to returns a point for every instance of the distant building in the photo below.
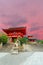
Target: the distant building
pixel 31 38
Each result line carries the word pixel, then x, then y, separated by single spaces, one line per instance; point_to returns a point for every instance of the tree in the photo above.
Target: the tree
pixel 23 40
pixel 0 40
pixel 4 39
pixel 15 40
pixel 41 41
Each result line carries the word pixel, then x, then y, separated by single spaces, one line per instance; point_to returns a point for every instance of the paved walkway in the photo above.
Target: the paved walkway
pixel 26 58
pixel 35 59
pixel 3 54
pixel 15 59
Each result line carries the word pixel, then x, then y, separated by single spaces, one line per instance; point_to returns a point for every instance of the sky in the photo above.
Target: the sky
pixel 18 13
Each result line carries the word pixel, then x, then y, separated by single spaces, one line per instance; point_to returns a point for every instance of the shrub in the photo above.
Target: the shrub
pixel 4 39
pixel 41 41
pixel 23 40
pixel 38 41
pixel 0 40
pixel 15 40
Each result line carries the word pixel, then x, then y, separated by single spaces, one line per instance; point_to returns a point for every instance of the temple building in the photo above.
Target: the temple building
pixel 15 32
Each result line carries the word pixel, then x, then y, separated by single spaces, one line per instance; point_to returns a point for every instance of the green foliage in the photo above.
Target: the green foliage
pixel 23 40
pixel 15 40
pixel 4 39
pixel 0 40
pixel 40 41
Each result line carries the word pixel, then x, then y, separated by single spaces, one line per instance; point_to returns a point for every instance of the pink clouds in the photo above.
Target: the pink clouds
pixel 27 13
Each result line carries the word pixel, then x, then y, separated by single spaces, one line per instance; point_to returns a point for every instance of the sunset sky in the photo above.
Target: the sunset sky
pixel 29 13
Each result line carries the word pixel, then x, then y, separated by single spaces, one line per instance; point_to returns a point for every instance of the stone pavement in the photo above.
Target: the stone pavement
pixel 26 58
pixel 3 54
pixel 14 59
pixel 35 59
